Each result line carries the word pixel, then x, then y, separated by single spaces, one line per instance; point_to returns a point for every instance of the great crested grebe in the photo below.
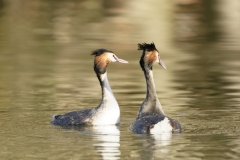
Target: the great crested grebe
pixel 151 117
pixel 107 112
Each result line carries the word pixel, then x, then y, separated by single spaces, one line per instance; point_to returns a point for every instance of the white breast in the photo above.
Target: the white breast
pixel 109 112
pixel 108 116
pixel 163 126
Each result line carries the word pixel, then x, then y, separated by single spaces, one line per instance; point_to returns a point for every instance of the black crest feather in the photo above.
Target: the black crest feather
pixel 145 46
pixel 100 51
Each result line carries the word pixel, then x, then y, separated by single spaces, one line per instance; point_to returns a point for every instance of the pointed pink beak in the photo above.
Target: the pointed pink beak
pixel 162 64
pixel 120 60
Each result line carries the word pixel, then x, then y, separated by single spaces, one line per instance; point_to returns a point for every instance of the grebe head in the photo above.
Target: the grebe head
pixel 149 56
pixel 102 58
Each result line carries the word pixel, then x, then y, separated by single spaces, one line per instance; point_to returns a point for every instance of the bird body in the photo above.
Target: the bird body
pixel 107 112
pixel 151 117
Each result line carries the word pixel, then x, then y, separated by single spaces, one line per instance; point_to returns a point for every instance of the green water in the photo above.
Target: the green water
pixel 46 69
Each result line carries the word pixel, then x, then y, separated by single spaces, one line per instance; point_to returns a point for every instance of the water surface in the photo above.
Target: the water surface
pixel 46 69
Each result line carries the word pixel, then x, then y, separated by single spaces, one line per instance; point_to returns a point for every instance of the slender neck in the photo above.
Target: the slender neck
pixel 151 104
pixel 106 89
pixel 151 90
pixel 107 94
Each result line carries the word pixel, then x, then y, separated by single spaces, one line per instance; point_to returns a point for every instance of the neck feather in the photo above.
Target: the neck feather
pixel 106 89
pixel 107 94
pixel 151 104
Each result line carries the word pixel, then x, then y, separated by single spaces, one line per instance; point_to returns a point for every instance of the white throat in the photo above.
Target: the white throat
pixel 108 111
pixel 107 91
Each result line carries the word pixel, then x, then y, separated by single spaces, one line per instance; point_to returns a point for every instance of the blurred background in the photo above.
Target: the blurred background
pixel 46 69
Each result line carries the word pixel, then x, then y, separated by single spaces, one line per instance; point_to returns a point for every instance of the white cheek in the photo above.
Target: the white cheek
pixel 157 55
pixel 111 58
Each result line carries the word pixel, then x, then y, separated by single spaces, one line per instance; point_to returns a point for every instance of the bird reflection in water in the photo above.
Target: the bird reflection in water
pixel 155 145
pixel 106 139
